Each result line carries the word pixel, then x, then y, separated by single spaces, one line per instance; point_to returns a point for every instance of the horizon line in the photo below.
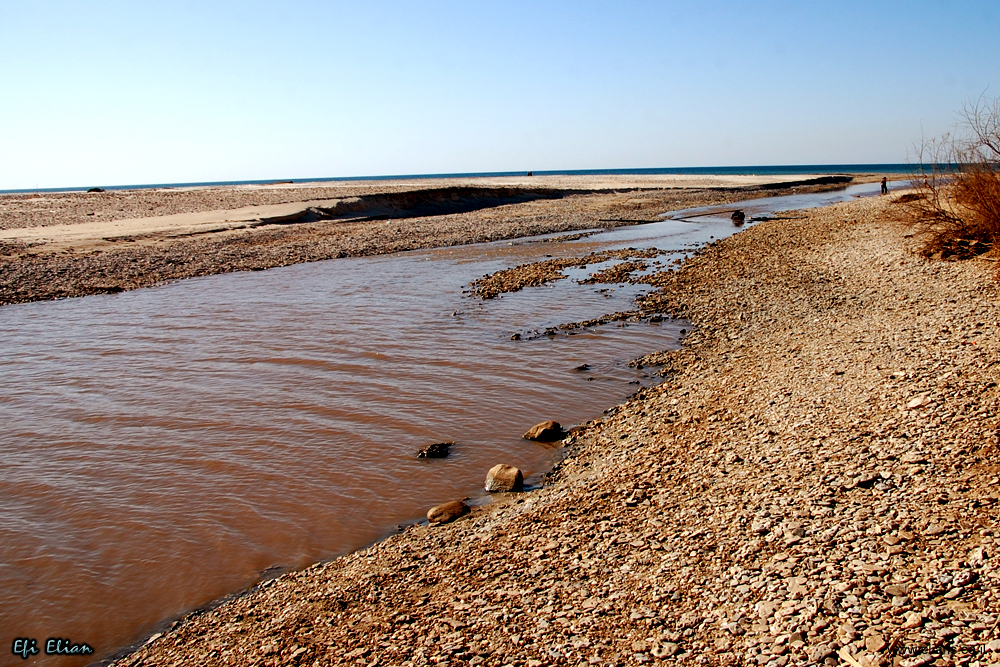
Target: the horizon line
pixel 734 170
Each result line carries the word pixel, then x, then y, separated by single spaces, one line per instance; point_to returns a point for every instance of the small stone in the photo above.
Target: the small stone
pixel 913 620
pixel 866 480
pixel 993 645
pixel 896 590
pixel 664 650
pixel 935 529
pixel 963 578
pixel 875 643
pixel 795 529
pixel 447 512
pixel 977 557
pixel 548 431
pixel 503 478
pixel 917 661
pixel 821 653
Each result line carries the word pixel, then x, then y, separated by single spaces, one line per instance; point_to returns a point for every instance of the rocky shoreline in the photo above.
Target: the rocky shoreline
pixel 815 482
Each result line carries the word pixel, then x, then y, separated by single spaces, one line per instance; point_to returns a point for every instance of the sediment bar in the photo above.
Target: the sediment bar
pixel 61 245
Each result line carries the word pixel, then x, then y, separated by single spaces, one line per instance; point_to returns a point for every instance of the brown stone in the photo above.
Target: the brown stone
pixel 447 512
pixel 549 431
pixel 896 590
pixel 502 478
pixel 875 643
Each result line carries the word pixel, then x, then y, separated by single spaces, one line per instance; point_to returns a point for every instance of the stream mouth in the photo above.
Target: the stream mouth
pixel 168 446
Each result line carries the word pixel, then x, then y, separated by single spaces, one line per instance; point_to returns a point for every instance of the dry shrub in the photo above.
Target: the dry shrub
pixel 956 209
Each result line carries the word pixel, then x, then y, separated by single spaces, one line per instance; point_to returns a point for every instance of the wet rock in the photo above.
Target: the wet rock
pixel 548 431
pixel 438 450
pixel 504 478
pixel 447 512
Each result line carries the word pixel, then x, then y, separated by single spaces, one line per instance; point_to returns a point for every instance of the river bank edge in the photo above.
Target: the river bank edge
pixel 117 260
pixel 635 591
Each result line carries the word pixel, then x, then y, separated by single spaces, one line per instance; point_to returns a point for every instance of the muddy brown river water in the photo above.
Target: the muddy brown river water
pixel 165 447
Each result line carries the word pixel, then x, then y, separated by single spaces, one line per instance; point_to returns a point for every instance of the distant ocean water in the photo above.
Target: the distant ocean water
pixel 760 170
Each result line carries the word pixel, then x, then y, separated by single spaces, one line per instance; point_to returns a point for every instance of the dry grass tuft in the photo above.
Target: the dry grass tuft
pixel 956 209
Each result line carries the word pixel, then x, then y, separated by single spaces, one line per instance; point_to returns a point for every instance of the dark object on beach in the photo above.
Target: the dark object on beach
pixel 738 217
pixel 503 479
pixel 530 174
pixel 582 367
pixel 438 450
pixel 885 186
pixel 96 190
pixel 447 512
pixel 549 431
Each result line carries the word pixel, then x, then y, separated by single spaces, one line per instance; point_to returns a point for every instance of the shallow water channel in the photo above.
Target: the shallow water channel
pixel 165 447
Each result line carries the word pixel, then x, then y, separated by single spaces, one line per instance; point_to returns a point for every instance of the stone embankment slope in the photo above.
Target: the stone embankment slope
pixel 815 481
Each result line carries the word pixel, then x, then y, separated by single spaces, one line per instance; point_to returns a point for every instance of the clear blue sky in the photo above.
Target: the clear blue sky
pixel 116 92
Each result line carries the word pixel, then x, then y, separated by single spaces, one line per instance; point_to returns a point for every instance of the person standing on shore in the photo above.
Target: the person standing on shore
pixel 885 187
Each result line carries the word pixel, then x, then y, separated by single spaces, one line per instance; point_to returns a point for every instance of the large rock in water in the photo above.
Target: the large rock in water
pixel 549 431
pixel 447 512
pixel 502 478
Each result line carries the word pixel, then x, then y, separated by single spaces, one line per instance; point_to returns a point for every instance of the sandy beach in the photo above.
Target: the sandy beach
pixel 814 482
pixel 71 244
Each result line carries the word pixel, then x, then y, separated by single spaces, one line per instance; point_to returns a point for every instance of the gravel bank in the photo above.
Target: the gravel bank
pixel 35 268
pixel 817 474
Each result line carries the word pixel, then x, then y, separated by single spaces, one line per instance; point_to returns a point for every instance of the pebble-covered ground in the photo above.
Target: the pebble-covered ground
pixel 815 482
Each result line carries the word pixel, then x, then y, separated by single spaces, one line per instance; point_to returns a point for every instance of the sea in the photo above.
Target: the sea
pixel 754 170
